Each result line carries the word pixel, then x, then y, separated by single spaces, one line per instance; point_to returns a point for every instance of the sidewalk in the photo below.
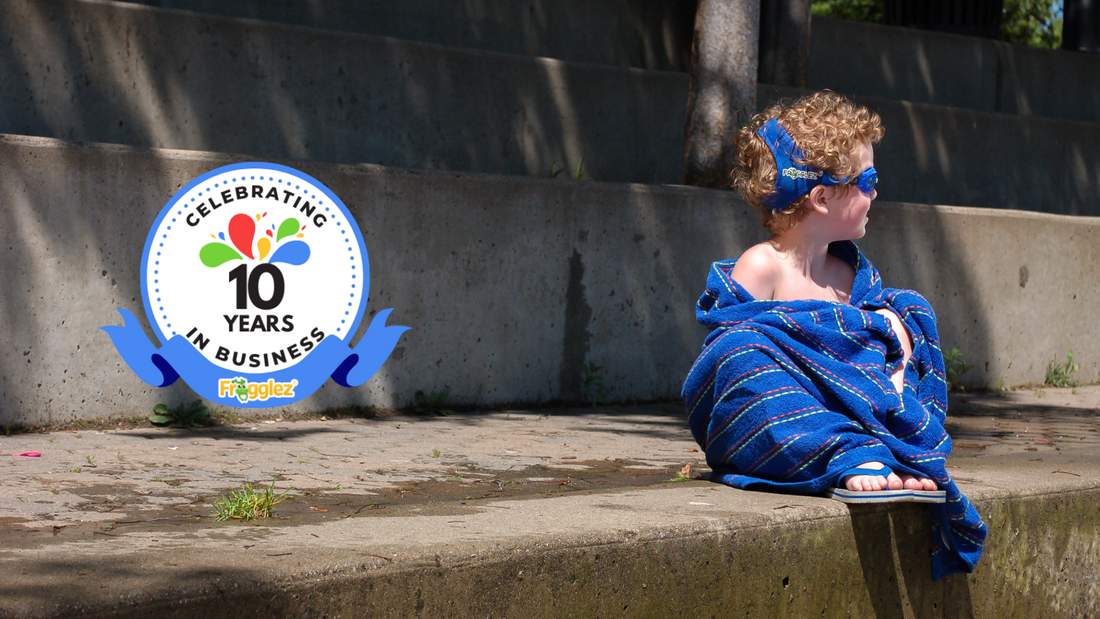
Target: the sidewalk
pixel 554 512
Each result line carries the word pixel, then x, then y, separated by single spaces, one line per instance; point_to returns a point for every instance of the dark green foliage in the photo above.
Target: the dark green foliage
pixel 955 366
pixel 194 416
pixel 1037 23
pixel 578 175
pixel 855 10
pixel 593 389
pixel 432 403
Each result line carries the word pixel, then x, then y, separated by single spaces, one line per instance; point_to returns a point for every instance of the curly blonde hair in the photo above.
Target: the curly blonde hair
pixel 827 127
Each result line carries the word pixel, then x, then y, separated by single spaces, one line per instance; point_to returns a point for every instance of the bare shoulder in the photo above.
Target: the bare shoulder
pixel 757 270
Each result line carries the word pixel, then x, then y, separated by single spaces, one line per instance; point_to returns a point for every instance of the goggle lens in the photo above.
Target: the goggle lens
pixel 867 180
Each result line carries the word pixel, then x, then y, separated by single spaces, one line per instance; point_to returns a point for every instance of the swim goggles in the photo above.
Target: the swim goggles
pixel 866 181
pixel 795 179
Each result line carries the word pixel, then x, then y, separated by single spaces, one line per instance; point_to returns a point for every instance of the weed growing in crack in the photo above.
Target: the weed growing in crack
pixel 432 404
pixel 190 416
pixel 592 389
pixel 1062 375
pixel 247 503
pixel 955 366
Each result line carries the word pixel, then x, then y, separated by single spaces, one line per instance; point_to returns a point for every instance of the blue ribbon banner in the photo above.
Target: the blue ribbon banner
pixel 349 367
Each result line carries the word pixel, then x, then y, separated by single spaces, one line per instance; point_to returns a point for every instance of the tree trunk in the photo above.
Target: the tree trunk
pixel 723 87
pixel 785 42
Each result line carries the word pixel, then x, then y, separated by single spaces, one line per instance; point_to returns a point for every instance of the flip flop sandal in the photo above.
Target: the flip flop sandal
pixel 929 496
pixel 872 496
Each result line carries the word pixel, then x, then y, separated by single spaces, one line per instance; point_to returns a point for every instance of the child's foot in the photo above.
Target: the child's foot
pixel 870 483
pixel 910 482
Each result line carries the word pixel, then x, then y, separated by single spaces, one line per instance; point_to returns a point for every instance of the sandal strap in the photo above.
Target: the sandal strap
pixel 885 471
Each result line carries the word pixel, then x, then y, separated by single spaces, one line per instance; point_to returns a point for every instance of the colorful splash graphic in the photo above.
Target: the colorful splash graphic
pixel 242 233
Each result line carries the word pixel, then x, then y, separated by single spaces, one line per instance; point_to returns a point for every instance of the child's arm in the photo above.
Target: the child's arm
pixel 898 377
pixel 757 271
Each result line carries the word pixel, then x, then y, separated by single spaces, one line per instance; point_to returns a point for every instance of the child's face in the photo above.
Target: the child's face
pixel 848 206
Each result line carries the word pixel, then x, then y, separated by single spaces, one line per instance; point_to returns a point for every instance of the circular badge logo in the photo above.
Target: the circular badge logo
pixel 255 264
pixel 254 279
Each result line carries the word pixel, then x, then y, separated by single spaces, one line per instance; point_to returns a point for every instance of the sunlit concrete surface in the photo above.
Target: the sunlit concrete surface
pixel 531 513
pixel 510 284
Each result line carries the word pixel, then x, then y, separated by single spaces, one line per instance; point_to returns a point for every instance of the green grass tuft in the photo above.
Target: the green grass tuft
pixel 247 504
pixel 1062 375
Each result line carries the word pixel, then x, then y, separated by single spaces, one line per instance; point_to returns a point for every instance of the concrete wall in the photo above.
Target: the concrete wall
pixel 1011 289
pixel 851 57
pixel 128 74
pixel 946 69
pixel 941 155
pixel 646 34
pixel 933 155
pixel 509 284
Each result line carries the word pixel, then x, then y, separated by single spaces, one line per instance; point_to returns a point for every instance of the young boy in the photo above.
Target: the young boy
pixel 815 378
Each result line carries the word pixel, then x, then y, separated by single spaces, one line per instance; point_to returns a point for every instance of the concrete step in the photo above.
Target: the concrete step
pixel 935 154
pixel 859 58
pixel 510 284
pixel 523 513
pixel 945 69
pixel 128 74
pixel 644 34
pixel 863 59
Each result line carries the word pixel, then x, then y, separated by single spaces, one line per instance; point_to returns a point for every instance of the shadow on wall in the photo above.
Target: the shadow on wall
pixel 899 578
pixel 645 270
pixel 625 270
pixel 108 72
pixel 124 74
pixel 945 155
pixel 72 258
pixel 530 269
pixel 920 66
pixel 645 34
pixel 986 160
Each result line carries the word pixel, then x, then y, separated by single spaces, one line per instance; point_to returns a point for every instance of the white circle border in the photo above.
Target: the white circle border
pixel 173 203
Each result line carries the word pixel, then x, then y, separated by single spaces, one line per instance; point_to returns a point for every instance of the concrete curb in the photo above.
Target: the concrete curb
pixel 670 550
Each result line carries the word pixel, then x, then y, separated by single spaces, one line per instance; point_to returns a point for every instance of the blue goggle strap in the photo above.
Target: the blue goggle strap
pixel 793 180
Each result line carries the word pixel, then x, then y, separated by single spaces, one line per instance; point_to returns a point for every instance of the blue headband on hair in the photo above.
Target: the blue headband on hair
pixel 793 179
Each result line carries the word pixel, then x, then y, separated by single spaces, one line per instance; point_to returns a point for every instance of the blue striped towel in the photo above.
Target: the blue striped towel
pixel 787 395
